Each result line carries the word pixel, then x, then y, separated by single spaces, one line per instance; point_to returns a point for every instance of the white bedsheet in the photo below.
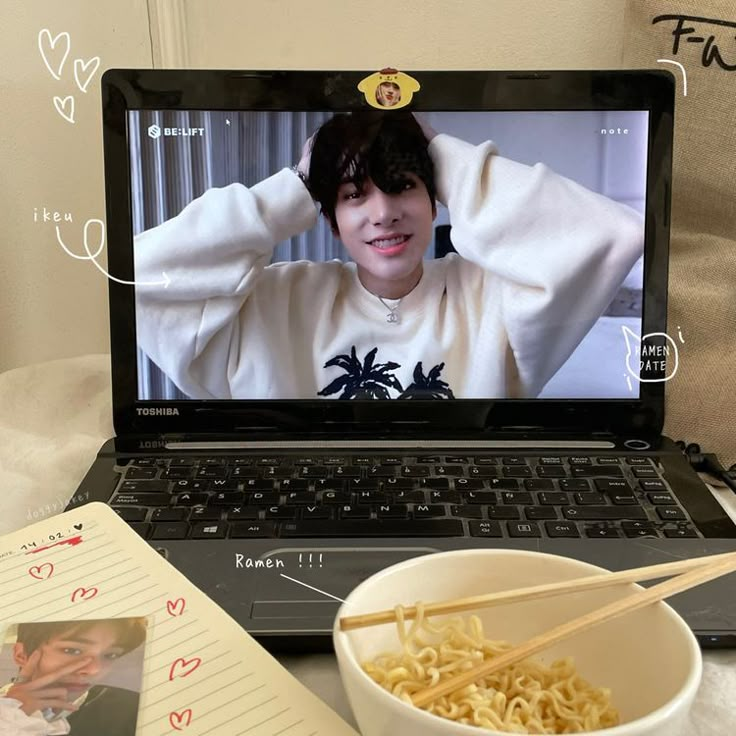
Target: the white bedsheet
pixel 55 416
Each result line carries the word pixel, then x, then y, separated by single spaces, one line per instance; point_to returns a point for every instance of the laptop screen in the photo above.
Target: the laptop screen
pixel 466 255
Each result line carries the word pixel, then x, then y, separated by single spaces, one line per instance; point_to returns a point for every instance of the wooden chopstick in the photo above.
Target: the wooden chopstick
pixel 590 582
pixel 638 600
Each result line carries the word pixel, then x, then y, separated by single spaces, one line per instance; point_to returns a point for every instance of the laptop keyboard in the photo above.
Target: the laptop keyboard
pixel 427 495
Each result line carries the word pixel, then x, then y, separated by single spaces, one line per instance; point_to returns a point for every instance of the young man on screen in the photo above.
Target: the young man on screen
pixel 60 667
pixel 538 260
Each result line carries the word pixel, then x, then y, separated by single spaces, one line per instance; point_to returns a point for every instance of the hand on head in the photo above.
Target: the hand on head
pixel 47 691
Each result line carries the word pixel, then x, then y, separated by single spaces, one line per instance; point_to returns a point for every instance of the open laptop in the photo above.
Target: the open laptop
pixel 298 403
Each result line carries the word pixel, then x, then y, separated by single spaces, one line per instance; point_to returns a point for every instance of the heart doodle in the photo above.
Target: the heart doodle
pixel 80 67
pixel 84 594
pixel 36 571
pixel 175 608
pixel 78 527
pixel 61 105
pixel 183 664
pixel 47 44
pixel 180 720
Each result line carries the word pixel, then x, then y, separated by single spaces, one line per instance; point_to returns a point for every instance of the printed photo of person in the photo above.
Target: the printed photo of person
pixel 81 678
pixel 537 258
pixel 388 94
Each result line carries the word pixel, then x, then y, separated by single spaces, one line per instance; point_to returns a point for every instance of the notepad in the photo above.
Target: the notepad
pixel 203 675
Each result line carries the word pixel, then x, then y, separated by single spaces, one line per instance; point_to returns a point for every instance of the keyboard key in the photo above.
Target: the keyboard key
pixel 485 529
pixel 608 460
pixel 467 512
pixel 444 497
pixel 131 514
pixel 680 532
pixel 191 499
pixel 398 484
pixel 596 471
pixel 644 473
pixel 140 473
pixel 482 471
pixel 242 513
pixel 436 484
pixel 414 471
pixel 228 499
pixel 280 512
pixel 170 530
pixel 468 484
pixel 448 470
pixel 140 499
pixel 354 511
pixel 318 512
pixel 485 460
pixel 550 461
pixel 209 530
pixel 652 485
pixel 423 510
pixel 616 486
pixel 346 471
pixel 392 511
pixel 518 498
pixel 661 499
pixel 539 484
pixel 482 497
pixel 623 499
pixel 569 485
pixel 641 533
pixel 638 460
pixel 514 461
pixel 601 532
pixel 190 485
pixel 461 459
pixel 508 484
pixel 265 498
pixel 603 513
pixel 212 471
pixel 579 461
pixel 561 529
pixel 175 513
pixel 144 486
pixel 523 529
pixel 301 498
pixel 296 484
pixel 391 461
pixel 503 512
pixel 551 471
pixel 252 530
pixel 204 513
pixel 589 499
pixel 671 513
pixel 517 471
pixel 539 512
pixel 381 471
pixel 555 498
pixel 381 528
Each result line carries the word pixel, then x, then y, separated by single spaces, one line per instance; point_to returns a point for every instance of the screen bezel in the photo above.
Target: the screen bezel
pixel 146 89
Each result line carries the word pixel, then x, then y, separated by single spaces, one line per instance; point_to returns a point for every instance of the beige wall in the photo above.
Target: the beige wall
pixel 53 306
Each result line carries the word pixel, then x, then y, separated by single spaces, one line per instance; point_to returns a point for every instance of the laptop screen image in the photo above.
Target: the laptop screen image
pixel 442 255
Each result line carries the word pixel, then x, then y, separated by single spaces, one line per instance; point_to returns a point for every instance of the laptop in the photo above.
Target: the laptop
pixel 361 316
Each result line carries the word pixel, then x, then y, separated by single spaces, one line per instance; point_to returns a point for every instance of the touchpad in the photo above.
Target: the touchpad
pixel 313 582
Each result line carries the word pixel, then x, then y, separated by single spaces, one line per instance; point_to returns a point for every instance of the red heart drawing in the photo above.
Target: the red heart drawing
pixel 36 571
pixel 182 664
pixel 176 608
pixel 84 593
pixel 175 719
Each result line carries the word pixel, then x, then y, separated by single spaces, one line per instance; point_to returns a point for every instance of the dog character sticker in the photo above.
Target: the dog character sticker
pixel 388 88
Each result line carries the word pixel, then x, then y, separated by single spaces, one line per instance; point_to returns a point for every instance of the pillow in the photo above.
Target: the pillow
pixel 702 278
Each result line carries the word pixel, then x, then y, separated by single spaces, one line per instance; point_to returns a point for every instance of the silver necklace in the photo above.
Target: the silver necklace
pixel 392 315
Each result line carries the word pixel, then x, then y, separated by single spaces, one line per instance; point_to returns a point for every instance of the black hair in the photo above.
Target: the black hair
pixel 355 146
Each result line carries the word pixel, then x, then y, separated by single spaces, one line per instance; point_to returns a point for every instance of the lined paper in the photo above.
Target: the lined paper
pixel 203 675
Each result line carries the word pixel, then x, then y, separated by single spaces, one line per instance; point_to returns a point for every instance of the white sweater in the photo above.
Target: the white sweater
pixel 539 259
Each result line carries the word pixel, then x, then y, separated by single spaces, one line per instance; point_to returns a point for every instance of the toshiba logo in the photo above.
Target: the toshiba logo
pixel 157 412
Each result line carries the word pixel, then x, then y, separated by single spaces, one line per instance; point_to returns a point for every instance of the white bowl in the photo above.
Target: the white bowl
pixel 649 658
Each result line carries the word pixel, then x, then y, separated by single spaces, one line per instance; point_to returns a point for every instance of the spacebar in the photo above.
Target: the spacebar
pixel 374 528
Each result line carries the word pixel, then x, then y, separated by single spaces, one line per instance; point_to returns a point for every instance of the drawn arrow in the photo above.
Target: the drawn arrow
pixel 93 256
